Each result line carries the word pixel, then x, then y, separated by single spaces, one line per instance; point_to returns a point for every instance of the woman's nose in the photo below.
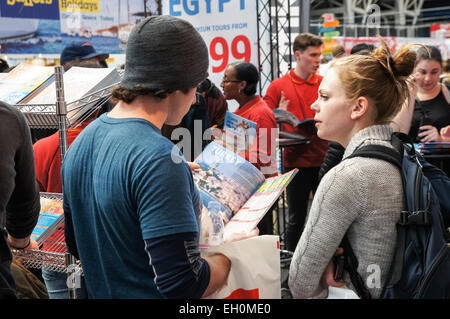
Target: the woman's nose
pixel 315 106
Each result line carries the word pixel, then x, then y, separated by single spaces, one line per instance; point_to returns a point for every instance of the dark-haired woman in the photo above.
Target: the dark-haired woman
pixel 432 106
pixel 239 83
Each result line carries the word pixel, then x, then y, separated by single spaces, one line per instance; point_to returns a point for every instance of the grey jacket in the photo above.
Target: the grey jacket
pixel 360 196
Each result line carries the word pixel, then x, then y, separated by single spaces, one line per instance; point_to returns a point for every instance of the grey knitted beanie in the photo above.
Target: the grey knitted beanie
pixel 165 52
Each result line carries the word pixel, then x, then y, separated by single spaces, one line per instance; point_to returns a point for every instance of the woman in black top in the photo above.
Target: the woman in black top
pixel 432 108
pixel 431 114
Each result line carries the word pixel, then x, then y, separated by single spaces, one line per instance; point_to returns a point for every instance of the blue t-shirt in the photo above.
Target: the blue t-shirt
pixel 123 183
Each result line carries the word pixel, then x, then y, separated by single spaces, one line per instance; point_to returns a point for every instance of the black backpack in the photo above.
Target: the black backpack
pixel 421 265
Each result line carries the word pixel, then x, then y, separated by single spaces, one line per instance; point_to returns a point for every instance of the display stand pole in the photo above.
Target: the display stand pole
pixel 61 113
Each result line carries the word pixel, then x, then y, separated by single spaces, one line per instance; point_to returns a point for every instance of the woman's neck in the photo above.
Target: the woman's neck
pixel 244 99
pixel 429 94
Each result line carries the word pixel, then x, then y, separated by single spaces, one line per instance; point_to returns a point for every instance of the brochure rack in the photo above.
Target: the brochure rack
pixel 53 255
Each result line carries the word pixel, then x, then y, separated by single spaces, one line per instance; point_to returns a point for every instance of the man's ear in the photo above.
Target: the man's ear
pixel 297 54
pixel 360 108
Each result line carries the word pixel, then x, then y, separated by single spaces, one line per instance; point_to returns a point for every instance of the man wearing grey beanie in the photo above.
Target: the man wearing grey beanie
pixel 130 203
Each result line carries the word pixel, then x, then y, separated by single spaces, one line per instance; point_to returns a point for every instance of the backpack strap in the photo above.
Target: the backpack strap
pixel 394 156
pixel 351 266
pixel 380 152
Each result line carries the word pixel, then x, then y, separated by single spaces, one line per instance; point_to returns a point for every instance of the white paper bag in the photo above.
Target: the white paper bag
pixel 255 268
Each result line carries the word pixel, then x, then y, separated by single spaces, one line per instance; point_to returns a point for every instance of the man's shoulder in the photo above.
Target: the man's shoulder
pixel 13 122
pixel 10 113
pixel 281 80
pixel 47 143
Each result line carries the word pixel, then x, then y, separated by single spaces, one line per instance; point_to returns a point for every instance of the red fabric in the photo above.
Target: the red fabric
pixel 244 294
pixel 257 111
pixel 47 157
pixel 301 95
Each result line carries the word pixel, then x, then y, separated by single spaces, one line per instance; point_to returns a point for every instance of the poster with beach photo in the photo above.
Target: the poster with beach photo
pixel 46 27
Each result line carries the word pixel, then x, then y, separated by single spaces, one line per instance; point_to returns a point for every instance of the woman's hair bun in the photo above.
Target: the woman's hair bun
pixel 404 62
pixel 399 66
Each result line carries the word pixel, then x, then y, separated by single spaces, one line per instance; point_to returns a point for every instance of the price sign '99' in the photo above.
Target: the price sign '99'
pixel 223 57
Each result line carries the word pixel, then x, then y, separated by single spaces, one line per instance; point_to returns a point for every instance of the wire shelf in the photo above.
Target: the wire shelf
pixel 52 254
pixel 44 115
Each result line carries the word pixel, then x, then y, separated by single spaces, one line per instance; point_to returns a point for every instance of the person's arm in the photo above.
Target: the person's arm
pixel 180 271
pixel 167 205
pixel 272 96
pixel 22 210
pixel 69 234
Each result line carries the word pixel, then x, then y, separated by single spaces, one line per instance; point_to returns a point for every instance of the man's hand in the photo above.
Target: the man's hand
pixel 193 166
pixel 23 243
pixel 284 103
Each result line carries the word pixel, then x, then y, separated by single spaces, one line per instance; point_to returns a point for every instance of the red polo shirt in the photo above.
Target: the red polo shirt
pixel 301 95
pixel 256 110
pixel 47 157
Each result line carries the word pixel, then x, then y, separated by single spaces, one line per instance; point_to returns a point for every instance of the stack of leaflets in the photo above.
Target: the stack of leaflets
pixel 237 187
pixel 78 83
pixel 24 82
pixel 51 217
pixel 433 148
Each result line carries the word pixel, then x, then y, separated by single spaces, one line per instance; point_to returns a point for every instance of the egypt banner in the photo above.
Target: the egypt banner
pixel 47 26
pixel 229 28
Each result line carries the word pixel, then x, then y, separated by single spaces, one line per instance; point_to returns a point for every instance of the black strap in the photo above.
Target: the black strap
pixel 379 152
pixel 351 266
pixel 394 156
pixel 395 273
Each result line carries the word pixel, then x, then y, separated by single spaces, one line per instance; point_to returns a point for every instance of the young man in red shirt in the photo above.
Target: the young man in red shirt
pixel 296 92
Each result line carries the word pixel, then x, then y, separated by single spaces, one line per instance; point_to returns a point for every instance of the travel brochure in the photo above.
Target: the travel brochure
pixel 237 187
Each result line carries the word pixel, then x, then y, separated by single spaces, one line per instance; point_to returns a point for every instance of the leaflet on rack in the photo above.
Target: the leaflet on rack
pixel 433 148
pixel 239 132
pixel 50 217
pixel 24 81
pixel 239 189
pixel 78 83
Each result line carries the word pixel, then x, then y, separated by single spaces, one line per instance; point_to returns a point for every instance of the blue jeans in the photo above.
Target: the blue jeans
pixel 56 283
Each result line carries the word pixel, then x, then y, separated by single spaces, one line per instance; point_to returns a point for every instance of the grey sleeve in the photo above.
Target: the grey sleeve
pixel 17 173
pixel 337 202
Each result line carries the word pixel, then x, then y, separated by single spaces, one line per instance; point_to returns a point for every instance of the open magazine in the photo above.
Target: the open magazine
pixel 237 188
pixel 51 217
pixel 306 126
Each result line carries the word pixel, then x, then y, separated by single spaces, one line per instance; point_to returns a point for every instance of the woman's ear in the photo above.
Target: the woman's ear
pixel 242 86
pixel 359 108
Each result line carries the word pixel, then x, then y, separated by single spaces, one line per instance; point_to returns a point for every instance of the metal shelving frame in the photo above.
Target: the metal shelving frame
pixel 54 255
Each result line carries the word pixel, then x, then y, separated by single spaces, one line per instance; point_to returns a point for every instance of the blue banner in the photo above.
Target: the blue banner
pixel 33 9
